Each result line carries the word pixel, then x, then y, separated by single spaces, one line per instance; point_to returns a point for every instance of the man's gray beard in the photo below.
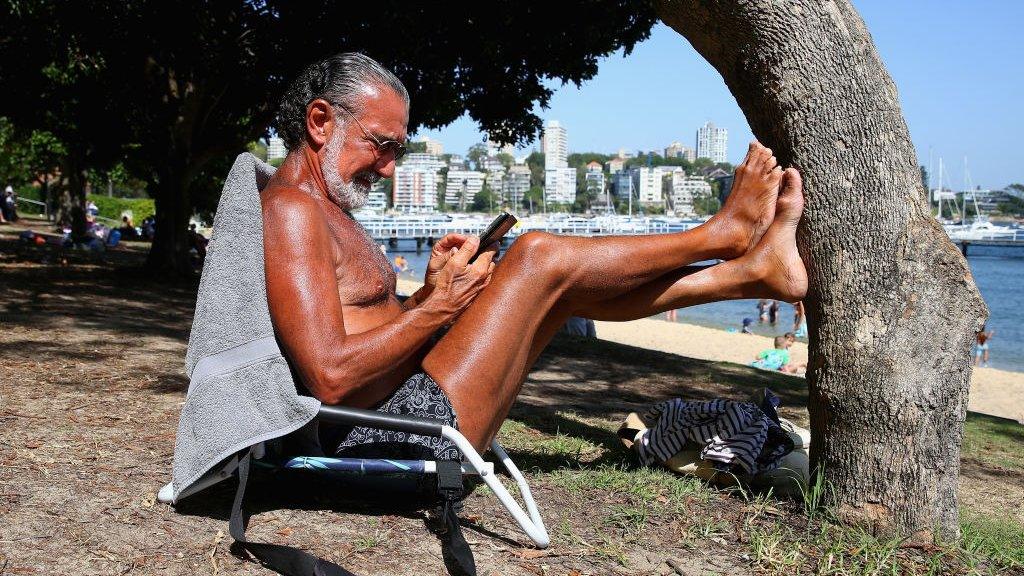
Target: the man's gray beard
pixel 347 195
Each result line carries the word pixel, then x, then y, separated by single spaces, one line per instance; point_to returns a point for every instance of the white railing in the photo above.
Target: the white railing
pixel 409 228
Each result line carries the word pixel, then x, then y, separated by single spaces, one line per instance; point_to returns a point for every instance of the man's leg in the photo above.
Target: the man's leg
pixel 482 361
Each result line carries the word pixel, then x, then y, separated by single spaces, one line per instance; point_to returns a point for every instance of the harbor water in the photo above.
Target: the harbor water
pixel 998 272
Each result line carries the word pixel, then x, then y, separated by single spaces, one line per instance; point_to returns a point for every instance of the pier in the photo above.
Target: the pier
pixel 389 229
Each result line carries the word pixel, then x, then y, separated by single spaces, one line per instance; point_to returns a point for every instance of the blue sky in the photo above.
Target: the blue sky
pixel 959 67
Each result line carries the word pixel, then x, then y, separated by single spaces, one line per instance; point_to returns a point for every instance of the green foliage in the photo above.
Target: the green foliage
pixel 1014 205
pixel 193 87
pixel 25 155
pixel 416 146
pixel 141 208
pixel 535 162
pixel 477 152
pixel 258 148
pixel 706 205
pixel 581 159
pixel 116 181
pixel 486 200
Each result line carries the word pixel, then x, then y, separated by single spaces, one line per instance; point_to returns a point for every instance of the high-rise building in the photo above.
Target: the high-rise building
pixel 677 150
pixel 559 179
pixel 461 187
pixel 275 148
pixel 432 146
pixel 516 185
pixel 556 145
pixel 712 142
pixel 417 182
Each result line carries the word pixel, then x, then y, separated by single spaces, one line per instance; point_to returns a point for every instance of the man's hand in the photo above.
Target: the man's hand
pixel 439 255
pixel 458 282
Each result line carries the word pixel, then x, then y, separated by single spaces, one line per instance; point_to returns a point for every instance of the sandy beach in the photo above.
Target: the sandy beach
pixel 994 392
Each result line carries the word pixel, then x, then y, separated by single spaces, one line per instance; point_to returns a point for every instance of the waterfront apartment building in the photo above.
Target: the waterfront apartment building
pixel 461 187
pixel 276 149
pixel 515 186
pixel 685 189
pixel 560 185
pixel 416 183
pixel 559 179
pixel 594 179
pixel 622 182
pixel 648 182
pixel 677 150
pixel 377 201
pixel 615 165
pixel 712 142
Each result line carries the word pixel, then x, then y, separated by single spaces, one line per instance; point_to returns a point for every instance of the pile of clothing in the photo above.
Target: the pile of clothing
pixel 723 441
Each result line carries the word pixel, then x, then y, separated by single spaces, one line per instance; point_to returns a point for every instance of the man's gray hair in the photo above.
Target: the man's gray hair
pixel 345 79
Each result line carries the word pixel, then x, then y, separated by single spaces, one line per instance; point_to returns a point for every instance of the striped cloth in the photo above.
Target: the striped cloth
pixel 736 436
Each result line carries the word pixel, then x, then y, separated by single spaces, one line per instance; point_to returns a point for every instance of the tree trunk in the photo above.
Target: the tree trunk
pixel 894 308
pixel 169 254
pixel 71 210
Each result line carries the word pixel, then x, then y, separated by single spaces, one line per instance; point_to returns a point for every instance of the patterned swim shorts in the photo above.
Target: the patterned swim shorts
pixel 418 396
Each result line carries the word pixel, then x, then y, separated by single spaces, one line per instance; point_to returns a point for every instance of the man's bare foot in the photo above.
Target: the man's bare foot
pixel 750 207
pixel 774 263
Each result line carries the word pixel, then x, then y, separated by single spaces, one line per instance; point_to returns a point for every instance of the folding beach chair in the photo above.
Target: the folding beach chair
pixel 287 560
pixel 242 397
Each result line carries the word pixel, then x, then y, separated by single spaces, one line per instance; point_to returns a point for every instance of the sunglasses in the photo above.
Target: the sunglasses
pixel 394 147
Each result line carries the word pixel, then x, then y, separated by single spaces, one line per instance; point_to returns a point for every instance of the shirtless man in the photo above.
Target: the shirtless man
pixel 352 342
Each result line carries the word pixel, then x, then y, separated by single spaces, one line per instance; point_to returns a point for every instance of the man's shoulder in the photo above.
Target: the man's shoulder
pixel 291 209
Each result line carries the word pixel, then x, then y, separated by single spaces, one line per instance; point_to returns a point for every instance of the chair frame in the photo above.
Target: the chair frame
pixel 529 519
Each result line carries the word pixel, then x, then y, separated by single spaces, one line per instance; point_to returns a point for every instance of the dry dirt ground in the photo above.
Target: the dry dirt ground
pixel 91 383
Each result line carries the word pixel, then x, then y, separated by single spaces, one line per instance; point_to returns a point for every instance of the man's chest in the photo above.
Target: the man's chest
pixel 363 272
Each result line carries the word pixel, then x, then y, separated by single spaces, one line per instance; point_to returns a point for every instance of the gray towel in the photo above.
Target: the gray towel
pixel 241 390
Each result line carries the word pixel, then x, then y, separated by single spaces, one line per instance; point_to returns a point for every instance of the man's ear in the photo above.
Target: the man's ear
pixel 319 123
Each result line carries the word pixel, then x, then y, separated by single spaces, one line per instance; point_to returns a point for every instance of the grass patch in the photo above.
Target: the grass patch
pixel 994 441
pixel 999 541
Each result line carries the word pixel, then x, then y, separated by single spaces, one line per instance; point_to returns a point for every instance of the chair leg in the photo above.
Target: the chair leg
pixel 532 523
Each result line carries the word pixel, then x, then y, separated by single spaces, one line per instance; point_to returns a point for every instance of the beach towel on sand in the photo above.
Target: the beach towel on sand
pixel 241 391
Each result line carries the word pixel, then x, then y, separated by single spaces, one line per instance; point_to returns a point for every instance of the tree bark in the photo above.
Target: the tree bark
pixel 892 303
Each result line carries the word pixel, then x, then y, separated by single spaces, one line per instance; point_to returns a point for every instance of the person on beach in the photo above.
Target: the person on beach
pixel 799 319
pixel 778 358
pixel 774 358
pixel 349 339
pixel 773 312
pixel 981 347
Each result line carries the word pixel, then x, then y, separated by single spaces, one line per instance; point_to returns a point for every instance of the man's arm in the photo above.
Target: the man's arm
pixel 302 291
pixel 418 297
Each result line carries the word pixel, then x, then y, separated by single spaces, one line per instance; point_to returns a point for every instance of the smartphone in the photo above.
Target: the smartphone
pixel 495 232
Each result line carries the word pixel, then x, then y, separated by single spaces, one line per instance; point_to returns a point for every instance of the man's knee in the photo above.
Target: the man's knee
pixel 538 252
